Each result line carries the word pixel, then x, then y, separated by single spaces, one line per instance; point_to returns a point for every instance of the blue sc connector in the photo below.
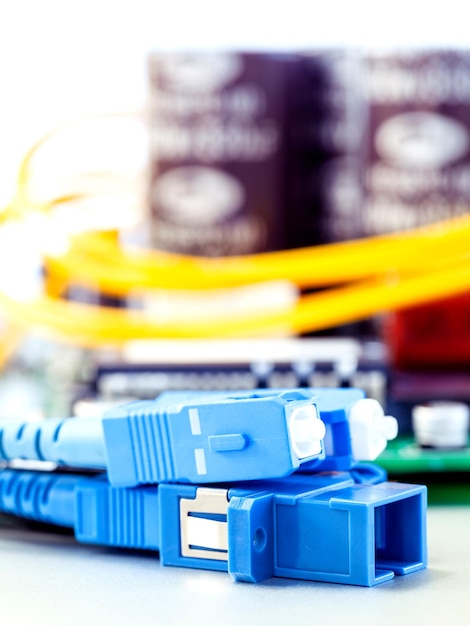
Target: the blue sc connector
pixel 356 427
pixel 320 527
pixel 195 440
pixel 313 530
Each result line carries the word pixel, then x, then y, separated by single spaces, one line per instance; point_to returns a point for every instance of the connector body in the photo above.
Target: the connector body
pixel 356 428
pixel 212 439
pixel 204 439
pixel 117 516
pixel 320 527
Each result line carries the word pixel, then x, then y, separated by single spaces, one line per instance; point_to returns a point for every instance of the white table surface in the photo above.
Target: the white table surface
pixel 48 579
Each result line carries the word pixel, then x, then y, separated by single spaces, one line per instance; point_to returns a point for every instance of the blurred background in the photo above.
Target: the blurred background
pixel 213 132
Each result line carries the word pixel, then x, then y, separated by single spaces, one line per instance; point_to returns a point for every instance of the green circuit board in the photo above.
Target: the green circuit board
pixel 445 472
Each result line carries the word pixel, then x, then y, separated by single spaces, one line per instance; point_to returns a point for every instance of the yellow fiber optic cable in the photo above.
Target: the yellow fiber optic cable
pixel 93 259
pixel 93 326
pixel 371 276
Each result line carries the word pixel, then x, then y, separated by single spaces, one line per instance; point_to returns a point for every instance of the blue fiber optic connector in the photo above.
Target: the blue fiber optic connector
pixel 356 427
pixel 195 440
pixel 320 527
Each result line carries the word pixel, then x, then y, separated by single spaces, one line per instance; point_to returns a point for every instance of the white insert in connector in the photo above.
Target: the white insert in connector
pixel 306 431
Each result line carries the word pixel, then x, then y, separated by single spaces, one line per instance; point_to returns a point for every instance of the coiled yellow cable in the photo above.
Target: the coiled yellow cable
pixel 97 259
pixel 364 277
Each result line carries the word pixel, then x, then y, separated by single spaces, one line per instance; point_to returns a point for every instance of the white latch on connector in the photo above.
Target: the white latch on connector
pixel 370 429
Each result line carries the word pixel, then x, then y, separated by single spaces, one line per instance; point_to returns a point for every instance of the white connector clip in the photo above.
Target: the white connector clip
pixel 370 429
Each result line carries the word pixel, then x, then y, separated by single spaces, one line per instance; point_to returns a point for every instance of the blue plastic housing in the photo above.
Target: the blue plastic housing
pixel 333 406
pixel 116 516
pixel 206 439
pixel 39 496
pixel 193 437
pixel 73 442
pixel 359 535
pixel 195 440
pixel 318 527
pixel 312 527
